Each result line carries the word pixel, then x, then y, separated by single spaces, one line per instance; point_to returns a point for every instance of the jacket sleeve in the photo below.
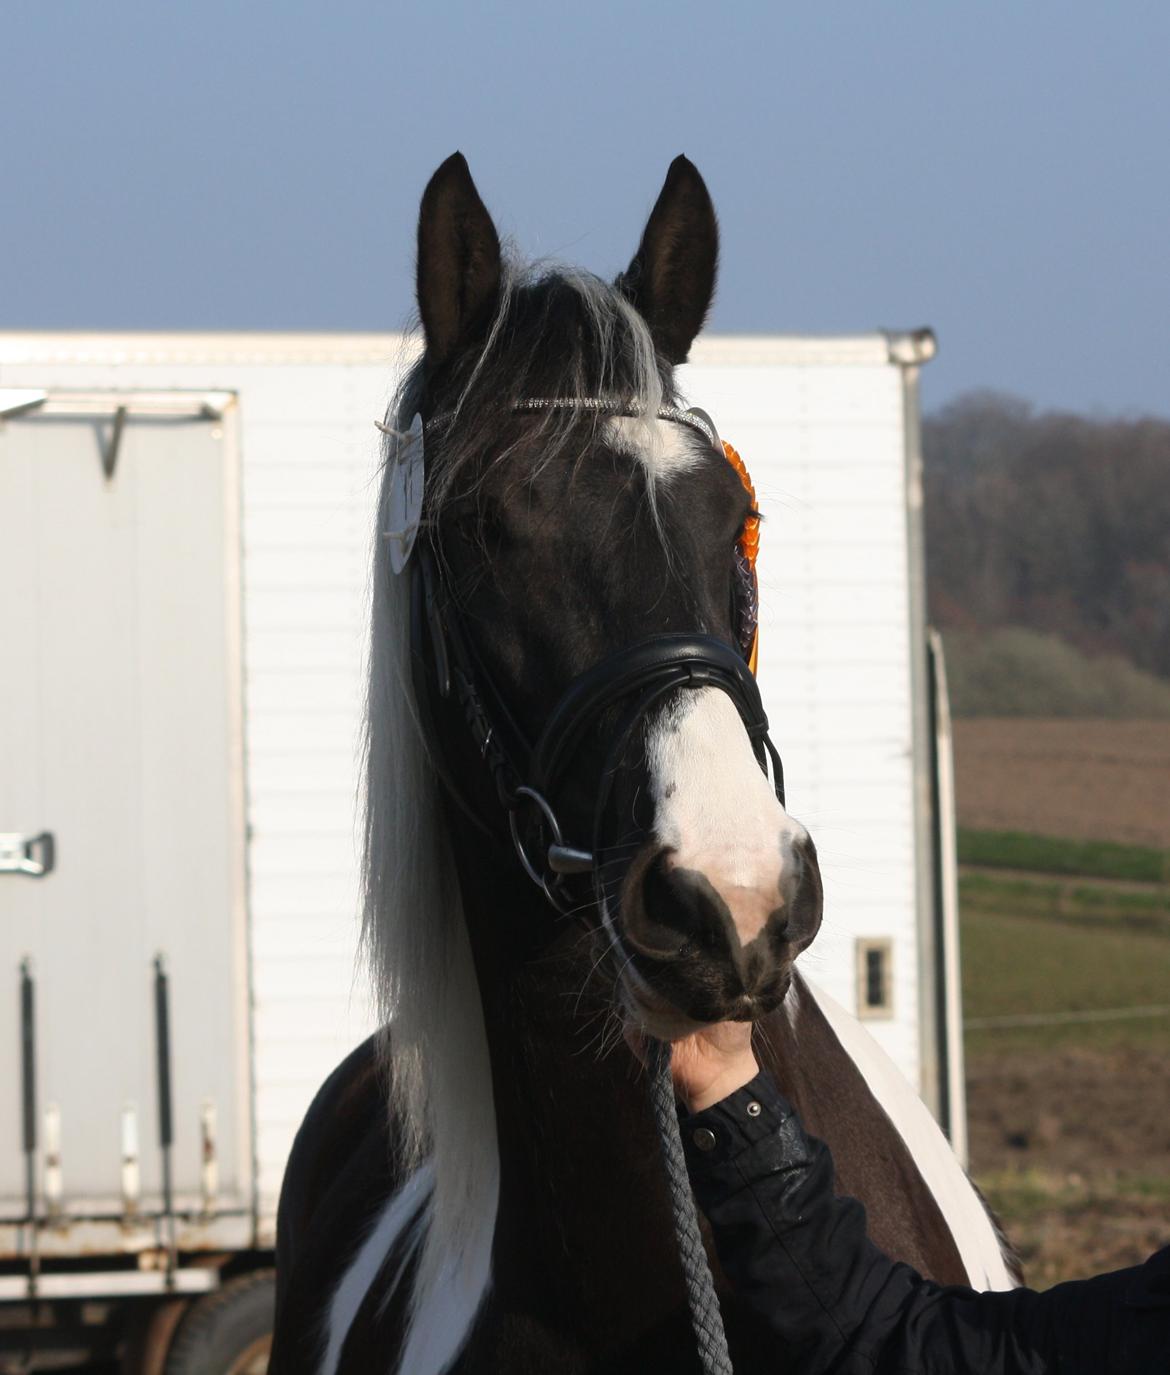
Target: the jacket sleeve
pixel 803 1266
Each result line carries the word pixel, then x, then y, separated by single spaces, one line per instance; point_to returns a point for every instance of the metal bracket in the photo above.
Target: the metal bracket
pixel 110 451
pixel 560 858
pixel 19 400
pixel 18 853
pixel 564 859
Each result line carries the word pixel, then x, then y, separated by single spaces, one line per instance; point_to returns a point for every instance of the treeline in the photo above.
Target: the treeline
pixel 1015 672
pixel 1056 523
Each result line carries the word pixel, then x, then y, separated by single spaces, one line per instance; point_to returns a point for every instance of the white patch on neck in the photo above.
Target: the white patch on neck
pixel 666 447
pixel 961 1207
pixel 716 810
pixel 449 1204
pixel 399 1213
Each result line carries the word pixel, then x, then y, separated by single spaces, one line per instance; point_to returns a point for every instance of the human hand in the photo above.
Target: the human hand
pixel 707 1065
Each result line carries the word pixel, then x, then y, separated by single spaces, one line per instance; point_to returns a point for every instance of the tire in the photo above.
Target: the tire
pixel 229 1332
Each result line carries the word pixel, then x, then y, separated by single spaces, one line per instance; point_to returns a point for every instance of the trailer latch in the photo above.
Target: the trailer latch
pixel 24 854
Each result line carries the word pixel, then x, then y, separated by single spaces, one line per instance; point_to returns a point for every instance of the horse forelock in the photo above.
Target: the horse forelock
pixel 558 333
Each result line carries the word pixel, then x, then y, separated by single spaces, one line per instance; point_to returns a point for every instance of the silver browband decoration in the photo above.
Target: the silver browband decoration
pixel 695 418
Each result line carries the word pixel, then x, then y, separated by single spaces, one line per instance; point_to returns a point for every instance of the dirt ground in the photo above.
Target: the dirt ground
pixel 1095 1108
pixel 1072 1147
pixel 1086 780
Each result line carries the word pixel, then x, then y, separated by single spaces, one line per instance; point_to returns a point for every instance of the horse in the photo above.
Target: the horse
pixel 478 1188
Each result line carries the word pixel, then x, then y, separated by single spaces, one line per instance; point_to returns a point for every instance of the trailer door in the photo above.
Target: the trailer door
pixel 121 779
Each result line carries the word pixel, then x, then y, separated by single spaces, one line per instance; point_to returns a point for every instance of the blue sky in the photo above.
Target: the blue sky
pixel 1000 171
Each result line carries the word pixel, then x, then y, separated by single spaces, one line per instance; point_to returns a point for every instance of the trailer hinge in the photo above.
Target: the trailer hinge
pixel 25 854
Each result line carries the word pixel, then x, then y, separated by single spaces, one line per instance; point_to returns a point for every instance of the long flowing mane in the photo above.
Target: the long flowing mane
pixel 555 333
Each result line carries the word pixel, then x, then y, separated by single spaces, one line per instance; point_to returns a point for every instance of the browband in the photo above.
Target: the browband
pixel 597 403
pixel 696 419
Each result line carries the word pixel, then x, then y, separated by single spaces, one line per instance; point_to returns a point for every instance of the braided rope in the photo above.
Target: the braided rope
pixel 706 1318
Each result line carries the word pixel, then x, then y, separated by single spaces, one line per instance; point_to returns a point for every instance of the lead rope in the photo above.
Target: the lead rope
pixel 706 1318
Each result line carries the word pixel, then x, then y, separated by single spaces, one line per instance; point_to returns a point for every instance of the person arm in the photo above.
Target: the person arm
pixel 804 1269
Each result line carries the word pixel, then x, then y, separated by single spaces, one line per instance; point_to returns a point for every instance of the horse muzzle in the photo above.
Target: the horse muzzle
pixel 699 949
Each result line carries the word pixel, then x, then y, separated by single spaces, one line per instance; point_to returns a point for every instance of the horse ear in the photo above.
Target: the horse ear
pixel 458 278
pixel 671 279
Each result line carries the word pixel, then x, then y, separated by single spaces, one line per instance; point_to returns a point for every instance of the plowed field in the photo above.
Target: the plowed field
pixel 1085 780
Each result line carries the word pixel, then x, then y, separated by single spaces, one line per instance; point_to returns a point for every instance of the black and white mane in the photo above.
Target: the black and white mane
pixel 555 333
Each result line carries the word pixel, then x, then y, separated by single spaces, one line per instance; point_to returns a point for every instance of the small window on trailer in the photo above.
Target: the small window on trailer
pixel 875 977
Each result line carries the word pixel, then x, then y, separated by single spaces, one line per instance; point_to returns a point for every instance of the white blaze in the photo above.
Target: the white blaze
pixel 717 811
pixel 666 447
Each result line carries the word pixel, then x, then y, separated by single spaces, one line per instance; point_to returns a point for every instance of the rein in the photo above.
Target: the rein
pixel 702 1300
pixel 529 777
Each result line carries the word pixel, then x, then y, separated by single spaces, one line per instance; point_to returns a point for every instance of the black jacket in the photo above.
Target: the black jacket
pixel 799 1257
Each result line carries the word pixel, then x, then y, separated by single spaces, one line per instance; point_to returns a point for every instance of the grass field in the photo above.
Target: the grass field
pixel 1021 963
pixel 1069 1225
pixel 1055 855
pixel 1067 1001
pixel 1144 908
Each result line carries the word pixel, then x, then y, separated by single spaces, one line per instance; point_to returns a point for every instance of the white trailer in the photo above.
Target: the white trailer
pixel 185 524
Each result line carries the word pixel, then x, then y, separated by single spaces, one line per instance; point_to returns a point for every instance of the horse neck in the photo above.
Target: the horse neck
pixel 583 1216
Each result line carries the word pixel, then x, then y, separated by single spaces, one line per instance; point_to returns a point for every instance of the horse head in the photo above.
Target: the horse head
pixel 572 511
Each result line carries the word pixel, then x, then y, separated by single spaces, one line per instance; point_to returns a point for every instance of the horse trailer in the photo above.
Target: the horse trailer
pixel 185 528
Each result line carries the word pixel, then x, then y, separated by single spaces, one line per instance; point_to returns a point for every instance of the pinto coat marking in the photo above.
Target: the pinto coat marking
pixel 544 1241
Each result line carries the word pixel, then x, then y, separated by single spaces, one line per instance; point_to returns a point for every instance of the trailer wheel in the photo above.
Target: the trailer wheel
pixel 229 1332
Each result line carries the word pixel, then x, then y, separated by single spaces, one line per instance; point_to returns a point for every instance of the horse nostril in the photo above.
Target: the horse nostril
pixel 675 912
pixel 804 896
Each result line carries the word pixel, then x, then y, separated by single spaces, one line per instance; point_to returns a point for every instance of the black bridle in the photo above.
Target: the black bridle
pixel 529 776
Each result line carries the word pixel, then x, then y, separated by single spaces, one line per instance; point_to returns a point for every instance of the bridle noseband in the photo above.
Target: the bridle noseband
pixel 529 777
